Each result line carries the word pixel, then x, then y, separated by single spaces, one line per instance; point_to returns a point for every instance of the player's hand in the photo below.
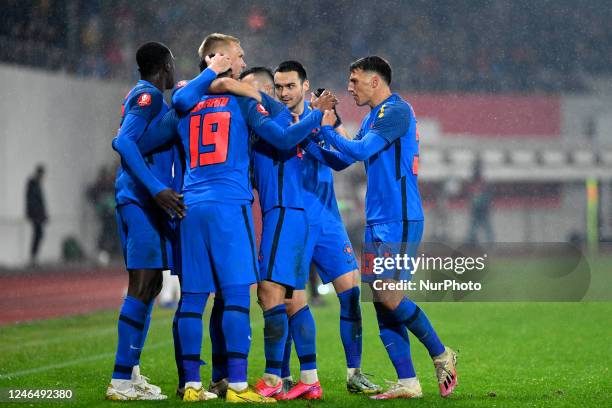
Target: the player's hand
pixel 329 118
pixel 326 101
pixel 219 63
pixel 171 202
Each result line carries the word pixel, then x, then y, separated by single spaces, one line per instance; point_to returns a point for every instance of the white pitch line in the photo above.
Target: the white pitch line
pixel 73 362
pixel 88 359
pixel 90 333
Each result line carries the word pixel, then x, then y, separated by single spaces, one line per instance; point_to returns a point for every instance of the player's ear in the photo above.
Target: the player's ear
pixel 269 89
pixel 375 81
pixel 306 85
pixel 169 62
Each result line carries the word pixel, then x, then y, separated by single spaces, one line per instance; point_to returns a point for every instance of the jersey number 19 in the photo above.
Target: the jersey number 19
pixel 210 129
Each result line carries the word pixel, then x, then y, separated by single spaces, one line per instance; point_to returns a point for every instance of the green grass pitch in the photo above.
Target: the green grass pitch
pixel 510 355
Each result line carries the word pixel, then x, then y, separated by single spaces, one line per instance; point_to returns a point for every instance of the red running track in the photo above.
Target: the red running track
pixel 57 294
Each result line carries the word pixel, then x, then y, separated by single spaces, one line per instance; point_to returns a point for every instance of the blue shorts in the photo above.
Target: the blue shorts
pixel 329 247
pixel 283 240
pixel 389 240
pixel 176 250
pixel 146 236
pixel 217 247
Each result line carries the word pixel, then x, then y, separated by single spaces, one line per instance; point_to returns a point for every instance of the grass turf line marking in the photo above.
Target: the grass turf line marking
pixel 73 362
pixel 86 360
pixel 92 333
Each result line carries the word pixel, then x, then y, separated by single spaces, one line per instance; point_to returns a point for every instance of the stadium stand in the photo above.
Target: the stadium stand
pixel 482 46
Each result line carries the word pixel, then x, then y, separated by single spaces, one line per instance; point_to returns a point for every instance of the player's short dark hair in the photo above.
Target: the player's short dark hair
pixel 292 66
pixel 151 57
pixel 373 63
pixel 263 71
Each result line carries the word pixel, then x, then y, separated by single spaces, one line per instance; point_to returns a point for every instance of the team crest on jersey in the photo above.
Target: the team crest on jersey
pixel 144 99
pixel 262 110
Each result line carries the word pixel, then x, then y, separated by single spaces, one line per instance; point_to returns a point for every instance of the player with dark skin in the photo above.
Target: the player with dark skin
pixel 145 284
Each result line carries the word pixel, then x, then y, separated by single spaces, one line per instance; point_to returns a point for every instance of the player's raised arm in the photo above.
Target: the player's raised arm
pixel 278 111
pixel 234 87
pixel 258 119
pixel 333 159
pixel 387 128
pixel 189 95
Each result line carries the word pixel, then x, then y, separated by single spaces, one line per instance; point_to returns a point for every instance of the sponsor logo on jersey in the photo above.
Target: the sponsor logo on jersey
pixel 381 113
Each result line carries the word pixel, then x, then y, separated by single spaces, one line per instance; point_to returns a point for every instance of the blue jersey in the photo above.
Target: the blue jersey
pixel 318 182
pixel 277 173
pixel 146 101
pixel 392 190
pixel 215 138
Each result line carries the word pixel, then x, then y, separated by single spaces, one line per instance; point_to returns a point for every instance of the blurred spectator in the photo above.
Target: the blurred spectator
pixel 102 195
pixel 36 210
pixel 481 206
pixel 72 252
pixel 440 209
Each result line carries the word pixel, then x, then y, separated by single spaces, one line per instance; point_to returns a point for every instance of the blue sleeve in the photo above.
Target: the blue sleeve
pixel 132 128
pixel 188 96
pixel 273 106
pixel 146 103
pixel 283 118
pixel 392 123
pixel 330 158
pixel 160 133
pixel 362 149
pixel 278 111
pixel 258 119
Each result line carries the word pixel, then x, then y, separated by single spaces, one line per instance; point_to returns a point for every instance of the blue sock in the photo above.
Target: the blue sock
pixel 276 326
pixel 417 322
pixel 217 340
pixel 286 369
pixel 350 326
pixel 395 339
pixel 190 333
pixel 132 318
pixel 303 331
pixel 177 348
pixel 237 330
pixel 145 329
